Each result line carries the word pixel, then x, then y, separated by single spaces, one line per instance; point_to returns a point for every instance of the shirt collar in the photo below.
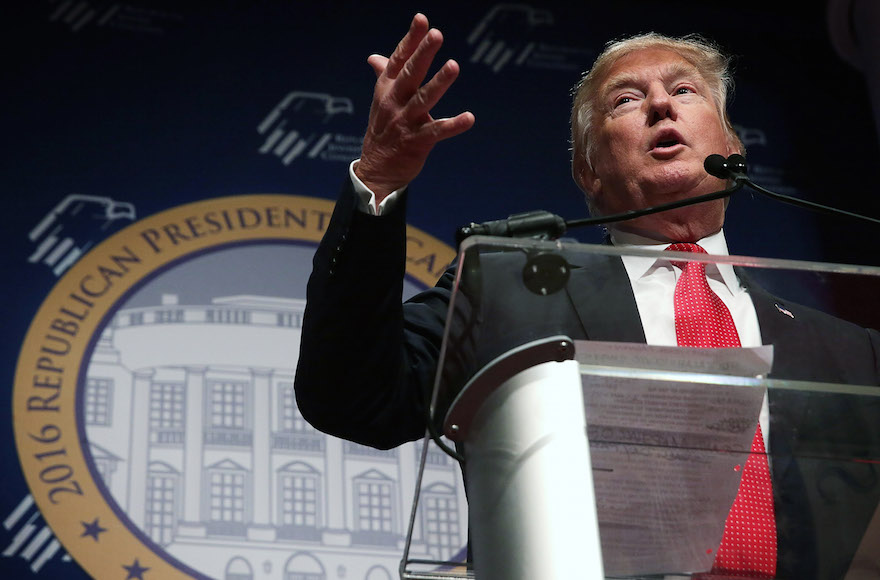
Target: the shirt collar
pixel 638 266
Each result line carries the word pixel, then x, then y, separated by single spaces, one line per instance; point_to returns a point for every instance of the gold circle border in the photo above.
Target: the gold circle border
pixel 47 435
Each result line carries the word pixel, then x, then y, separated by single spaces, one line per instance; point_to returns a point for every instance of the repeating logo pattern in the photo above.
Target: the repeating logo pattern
pixel 72 227
pixel 303 125
pixel 516 35
pixel 77 15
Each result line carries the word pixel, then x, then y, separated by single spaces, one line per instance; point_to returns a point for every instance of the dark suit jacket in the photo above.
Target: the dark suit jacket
pixel 378 395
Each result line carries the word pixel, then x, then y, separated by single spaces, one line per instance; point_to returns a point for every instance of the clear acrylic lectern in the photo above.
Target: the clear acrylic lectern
pixel 590 454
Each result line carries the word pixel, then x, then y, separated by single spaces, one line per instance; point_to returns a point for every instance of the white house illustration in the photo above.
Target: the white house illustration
pixel 193 427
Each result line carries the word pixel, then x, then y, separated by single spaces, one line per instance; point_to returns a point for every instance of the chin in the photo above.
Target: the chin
pixel 678 181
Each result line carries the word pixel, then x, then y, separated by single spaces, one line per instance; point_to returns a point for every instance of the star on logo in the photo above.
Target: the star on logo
pixel 92 529
pixel 135 571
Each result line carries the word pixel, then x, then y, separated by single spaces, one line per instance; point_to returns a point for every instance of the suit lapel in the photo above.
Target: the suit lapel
pixel 601 294
pixel 779 327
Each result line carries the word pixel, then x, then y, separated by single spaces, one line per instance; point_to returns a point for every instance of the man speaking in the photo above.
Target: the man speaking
pixel 644 119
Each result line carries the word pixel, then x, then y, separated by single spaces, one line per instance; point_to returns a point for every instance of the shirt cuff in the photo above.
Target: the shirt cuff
pixel 367 199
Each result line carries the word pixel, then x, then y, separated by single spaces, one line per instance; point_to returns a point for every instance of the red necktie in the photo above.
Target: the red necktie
pixel 748 547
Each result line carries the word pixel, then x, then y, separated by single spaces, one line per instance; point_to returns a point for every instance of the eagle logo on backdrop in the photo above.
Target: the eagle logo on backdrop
pixel 301 126
pixel 111 15
pixel 156 423
pixel 70 228
pixel 520 35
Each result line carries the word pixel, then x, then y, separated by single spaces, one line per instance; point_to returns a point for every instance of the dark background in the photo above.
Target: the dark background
pixel 157 104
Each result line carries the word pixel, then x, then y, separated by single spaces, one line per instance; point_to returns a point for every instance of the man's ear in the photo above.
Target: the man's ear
pixel 591 184
pixel 734 146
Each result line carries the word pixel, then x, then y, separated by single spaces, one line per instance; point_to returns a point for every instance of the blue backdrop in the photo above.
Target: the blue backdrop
pixel 141 106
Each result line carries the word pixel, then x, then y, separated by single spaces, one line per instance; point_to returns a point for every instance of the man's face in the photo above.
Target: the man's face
pixel 656 123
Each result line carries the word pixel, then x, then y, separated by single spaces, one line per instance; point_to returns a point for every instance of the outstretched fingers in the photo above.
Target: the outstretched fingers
pixel 415 69
pixel 437 130
pixel 418 28
pixel 429 94
pixel 401 131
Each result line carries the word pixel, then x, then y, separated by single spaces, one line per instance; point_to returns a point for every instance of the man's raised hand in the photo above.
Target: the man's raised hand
pixel 401 131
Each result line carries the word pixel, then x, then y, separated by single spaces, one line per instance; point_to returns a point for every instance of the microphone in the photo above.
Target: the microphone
pixel 734 167
pixel 539 224
pixel 716 166
pixel 736 163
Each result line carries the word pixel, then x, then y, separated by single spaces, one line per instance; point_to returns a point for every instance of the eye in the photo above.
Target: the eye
pixel 683 90
pixel 622 100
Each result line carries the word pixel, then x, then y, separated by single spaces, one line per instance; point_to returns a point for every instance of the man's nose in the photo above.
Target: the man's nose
pixel 660 106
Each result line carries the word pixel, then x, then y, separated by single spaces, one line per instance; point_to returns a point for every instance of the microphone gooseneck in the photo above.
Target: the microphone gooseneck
pixel 545 225
pixel 735 168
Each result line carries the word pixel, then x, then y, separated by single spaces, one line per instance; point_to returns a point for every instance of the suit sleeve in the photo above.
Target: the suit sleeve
pixel 367 362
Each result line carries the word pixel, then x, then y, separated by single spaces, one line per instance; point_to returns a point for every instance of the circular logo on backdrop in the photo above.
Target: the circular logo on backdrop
pixel 154 412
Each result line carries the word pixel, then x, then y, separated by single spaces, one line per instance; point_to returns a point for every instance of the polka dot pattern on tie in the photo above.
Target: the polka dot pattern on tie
pixel 701 318
pixel 748 546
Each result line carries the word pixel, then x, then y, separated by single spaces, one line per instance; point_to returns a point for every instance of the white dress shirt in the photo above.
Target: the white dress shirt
pixel 366 198
pixel 653 282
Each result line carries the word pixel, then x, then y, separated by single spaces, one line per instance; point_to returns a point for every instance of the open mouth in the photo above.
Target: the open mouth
pixel 666 139
pixel 666 143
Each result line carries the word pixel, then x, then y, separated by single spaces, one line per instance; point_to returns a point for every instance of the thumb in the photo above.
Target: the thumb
pixel 378 62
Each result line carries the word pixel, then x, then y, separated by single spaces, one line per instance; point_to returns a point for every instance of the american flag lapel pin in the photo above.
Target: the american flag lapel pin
pixel 785 311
